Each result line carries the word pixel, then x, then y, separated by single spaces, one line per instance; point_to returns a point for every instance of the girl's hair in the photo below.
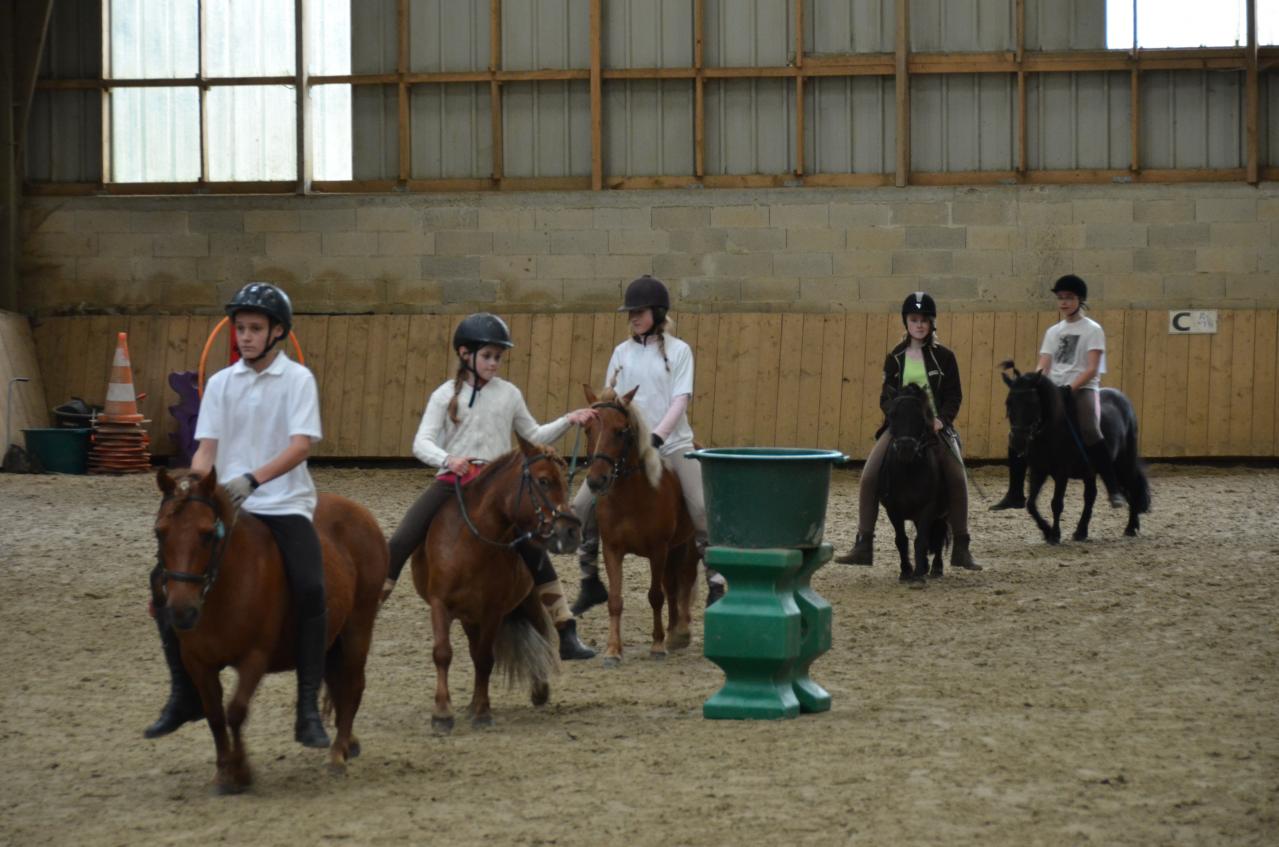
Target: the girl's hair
pixel 660 332
pixel 458 382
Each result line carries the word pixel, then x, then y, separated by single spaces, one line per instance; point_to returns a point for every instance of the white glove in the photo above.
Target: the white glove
pixel 239 489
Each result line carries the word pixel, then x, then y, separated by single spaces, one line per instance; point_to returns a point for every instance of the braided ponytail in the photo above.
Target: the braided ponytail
pixel 458 382
pixel 660 332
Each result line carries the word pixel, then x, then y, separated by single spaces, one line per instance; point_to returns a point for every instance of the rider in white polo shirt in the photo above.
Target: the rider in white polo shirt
pixel 258 420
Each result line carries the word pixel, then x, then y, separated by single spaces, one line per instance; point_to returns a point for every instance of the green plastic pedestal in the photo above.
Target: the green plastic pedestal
pixel 754 634
pixel 815 621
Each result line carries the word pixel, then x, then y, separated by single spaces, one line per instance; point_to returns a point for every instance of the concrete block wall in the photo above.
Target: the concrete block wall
pixel 813 250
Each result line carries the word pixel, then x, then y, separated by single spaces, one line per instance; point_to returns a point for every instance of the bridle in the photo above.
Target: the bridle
pixel 619 468
pixel 547 513
pixel 1027 431
pixel 908 447
pixel 219 542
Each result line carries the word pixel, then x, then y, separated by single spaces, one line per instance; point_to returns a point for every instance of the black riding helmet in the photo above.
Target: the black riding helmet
pixel 647 293
pixel 269 300
pixel 481 329
pixel 475 331
pixel 919 303
pixel 1073 284
pixel 265 298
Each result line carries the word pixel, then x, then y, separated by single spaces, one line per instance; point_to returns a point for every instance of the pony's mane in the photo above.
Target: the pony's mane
pixel 649 458
pixel 509 458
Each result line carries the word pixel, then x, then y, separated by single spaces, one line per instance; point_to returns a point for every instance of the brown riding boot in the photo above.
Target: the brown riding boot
pixel 863 552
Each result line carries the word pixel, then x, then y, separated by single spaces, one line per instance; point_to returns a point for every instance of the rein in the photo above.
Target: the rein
pixel 546 511
pixel 220 536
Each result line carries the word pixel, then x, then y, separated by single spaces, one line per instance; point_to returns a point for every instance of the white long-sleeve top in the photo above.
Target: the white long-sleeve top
pixel 483 431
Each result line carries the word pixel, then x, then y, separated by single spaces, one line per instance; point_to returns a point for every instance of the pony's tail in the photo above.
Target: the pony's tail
pixel 527 646
pixel 1130 468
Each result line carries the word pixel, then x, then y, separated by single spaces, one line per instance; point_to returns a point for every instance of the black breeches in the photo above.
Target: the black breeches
pixel 303 561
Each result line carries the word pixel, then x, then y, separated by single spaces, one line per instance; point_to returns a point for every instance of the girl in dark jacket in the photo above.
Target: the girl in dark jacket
pixel 921 360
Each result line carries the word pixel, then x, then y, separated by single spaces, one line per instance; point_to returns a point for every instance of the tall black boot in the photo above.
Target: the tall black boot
pixel 184 704
pixel 571 647
pixel 1105 468
pixel 1016 497
pixel 312 637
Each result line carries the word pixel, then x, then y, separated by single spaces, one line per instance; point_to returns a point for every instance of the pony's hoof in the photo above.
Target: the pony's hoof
pixel 337 767
pixel 657 656
pixel 917 585
pixel 905 577
pixel 935 573
pixel 482 721
pixel 540 694
pixel 1131 532
pixel 679 640
pixel 442 726
pixel 611 662
pixel 229 787
pixel 353 749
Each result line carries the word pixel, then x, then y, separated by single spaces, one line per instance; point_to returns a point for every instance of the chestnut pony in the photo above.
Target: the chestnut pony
pixel 469 570
pixel 226 567
pixel 640 509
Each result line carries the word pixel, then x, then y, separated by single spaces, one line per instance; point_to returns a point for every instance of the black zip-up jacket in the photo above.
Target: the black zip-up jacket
pixel 943 379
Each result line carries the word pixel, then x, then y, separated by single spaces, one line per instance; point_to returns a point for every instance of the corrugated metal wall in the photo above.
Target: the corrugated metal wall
pixel 64 138
pixel 958 123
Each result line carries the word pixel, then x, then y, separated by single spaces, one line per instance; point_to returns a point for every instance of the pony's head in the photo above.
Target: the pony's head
pixel 910 421
pixel 548 502
pixel 1024 406
pixel 619 441
pixel 191 532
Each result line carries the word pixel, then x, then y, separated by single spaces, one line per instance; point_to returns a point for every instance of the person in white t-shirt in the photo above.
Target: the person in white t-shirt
pixel 468 421
pixel 661 367
pixel 258 420
pixel 1074 355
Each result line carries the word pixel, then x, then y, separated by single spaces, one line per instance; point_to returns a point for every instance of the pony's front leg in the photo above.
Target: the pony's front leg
pixel 656 595
pixel 210 688
pixel 1090 496
pixel 899 538
pixel 442 654
pixel 482 641
pixel 249 676
pixel 923 532
pixel 613 567
pixel 1060 482
pixel 1037 478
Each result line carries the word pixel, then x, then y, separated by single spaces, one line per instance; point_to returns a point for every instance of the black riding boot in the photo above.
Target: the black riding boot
pixel 571 647
pixel 184 704
pixel 1015 498
pixel 1105 468
pixel 591 593
pixel 960 557
pixel 863 552
pixel 312 638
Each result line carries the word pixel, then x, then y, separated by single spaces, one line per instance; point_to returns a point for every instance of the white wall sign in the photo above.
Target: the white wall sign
pixel 1192 322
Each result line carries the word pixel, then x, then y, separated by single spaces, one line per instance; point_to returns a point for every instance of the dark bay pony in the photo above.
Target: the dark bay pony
pixel 911 487
pixel 469 570
pixel 1045 435
pixel 640 510
pixel 222 572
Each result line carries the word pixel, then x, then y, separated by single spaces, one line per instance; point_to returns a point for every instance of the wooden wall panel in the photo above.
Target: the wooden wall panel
pixel 761 379
pixel 18 358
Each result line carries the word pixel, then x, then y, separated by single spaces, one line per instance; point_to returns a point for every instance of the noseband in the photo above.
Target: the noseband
pixel 547 513
pixel 618 468
pixel 219 542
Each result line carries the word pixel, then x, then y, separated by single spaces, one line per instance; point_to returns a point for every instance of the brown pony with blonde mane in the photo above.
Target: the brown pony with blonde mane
pixel 220 573
pixel 640 510
pixel 468 570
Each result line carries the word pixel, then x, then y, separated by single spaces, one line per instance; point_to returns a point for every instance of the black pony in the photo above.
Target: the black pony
pixel 1045 436
pixel 910 482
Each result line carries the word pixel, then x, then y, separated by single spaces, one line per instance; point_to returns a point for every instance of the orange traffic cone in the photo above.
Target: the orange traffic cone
pixel 122 402
pixel 119 441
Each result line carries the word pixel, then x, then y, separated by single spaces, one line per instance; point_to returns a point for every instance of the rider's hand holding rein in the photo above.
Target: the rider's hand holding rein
pixel 458 465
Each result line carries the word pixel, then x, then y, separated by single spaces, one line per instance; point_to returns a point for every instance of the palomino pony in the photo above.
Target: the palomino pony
pixel 469 570
pixel 640 510
pixel 1045 435
pixel 911 485
pixel 225 585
